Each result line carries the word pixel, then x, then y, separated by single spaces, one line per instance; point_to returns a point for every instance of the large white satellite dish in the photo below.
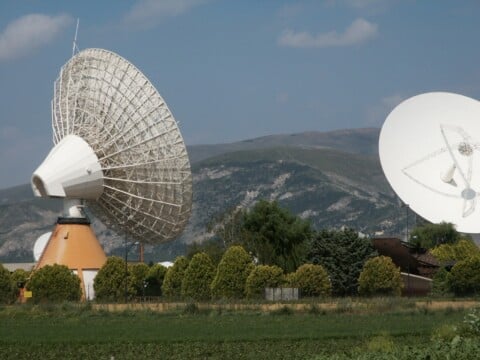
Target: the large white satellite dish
pixel 40 244
pixel 117 146
pixel 430 153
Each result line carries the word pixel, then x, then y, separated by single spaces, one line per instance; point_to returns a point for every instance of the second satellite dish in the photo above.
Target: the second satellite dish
pixel 429 150
pixel 40 244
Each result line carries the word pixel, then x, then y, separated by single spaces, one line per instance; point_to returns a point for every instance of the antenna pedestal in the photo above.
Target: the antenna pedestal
pixel 74 244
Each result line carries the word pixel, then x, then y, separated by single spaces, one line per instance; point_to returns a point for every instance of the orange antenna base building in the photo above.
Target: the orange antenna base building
pixel 74 244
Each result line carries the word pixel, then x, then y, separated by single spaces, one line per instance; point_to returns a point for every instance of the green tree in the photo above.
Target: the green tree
pixel 343 254
pixel 198 278
pixel 460 250
pixel 441 282
pixel 54 283
pixel 109 284
pixel 214 248
pixel 275 236
pixel 380 276
pixel 261 277
pixel 229 228
pixel 172 284
pixel 465 277
pixel 311 280
pixel 430 235
pixel 139 273
pixel 7 286
pixel 20 276
pixel 155 277
pixel 232 273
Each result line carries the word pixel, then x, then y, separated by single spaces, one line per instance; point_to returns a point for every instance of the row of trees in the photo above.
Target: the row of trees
pixel 236 277
pixel 267 231
pixel 457 254
pixel 276 237
pixel 270 247
pixel 460 272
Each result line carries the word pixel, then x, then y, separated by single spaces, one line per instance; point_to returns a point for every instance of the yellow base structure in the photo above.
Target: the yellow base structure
pixel 74 244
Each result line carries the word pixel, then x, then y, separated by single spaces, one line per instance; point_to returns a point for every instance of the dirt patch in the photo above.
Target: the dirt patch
pixel 442 305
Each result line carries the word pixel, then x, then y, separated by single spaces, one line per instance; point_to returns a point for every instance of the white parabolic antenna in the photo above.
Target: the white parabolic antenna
pixel 40 244
pixel 430 153
pixel 118 146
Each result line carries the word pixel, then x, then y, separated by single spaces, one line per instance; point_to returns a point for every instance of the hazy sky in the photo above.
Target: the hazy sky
pixel 232 70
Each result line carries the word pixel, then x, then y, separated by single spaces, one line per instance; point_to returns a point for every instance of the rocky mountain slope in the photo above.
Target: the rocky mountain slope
pixel 334 179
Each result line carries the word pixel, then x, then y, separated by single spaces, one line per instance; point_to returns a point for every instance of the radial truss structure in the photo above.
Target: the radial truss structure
pixel 109 103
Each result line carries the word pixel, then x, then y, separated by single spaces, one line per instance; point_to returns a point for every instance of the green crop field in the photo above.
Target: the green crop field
pixel 78 332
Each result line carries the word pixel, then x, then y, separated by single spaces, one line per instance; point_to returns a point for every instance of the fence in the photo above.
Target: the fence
pixel 276 294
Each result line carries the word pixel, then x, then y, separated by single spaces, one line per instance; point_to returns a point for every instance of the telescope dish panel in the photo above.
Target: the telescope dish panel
pixel 429 151
pixel 147 184
pixel 40 244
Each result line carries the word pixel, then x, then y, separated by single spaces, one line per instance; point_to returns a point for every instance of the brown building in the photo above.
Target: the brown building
pixel 418 266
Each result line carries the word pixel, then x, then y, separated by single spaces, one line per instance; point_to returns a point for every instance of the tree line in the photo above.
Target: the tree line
pixel 266 246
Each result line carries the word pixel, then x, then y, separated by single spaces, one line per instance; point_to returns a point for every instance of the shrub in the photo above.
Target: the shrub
pixel 380 276
pixel 312 280
pixel 263 276
pixel 109 284
pixel 465 277
pixel 214 248
pixel 290 279
pixel 155 277
pixel 54 283
pixel 139 273
pixel 7 286
pixel 472 320
pixel 20 276
pixel 441 282
pixel 430 235
pixel 276 236
pixel 172 284
pixel 198 277
pixel 460 250
pixel 232 273
pixel 382 343
pixel 342 253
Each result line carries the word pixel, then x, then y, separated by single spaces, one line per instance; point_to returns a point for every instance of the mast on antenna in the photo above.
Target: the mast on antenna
pixel 75 47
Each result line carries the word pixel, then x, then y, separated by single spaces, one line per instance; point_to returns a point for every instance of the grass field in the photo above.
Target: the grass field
pixel 78 332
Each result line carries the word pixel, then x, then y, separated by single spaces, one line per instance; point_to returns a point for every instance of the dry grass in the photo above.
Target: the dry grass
pixel 344 305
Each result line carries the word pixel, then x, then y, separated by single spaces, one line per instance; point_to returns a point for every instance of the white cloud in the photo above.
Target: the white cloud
pixel 358 32
pixel 30 32
pixel 151 12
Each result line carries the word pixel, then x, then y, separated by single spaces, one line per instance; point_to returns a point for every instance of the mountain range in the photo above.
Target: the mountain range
pixel 334 179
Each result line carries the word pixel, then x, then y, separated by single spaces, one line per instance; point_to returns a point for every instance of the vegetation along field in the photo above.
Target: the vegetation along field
pixel 405 331
pixel 210 304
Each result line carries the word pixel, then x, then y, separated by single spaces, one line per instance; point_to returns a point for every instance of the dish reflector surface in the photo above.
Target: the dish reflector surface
pixel 112 106
pixel 429 151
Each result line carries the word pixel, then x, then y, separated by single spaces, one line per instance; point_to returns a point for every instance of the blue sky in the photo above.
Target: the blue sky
pixel 232 70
